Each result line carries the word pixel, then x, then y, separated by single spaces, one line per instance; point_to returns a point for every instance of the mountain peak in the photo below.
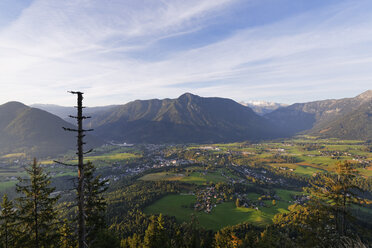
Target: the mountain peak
pixel 187 97
pixel 14 104
pixel 365 95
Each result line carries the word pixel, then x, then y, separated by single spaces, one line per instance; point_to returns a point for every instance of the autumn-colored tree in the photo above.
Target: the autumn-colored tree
pixel 226 239
pixel 237 202
pixel 325 217
pixel 336 193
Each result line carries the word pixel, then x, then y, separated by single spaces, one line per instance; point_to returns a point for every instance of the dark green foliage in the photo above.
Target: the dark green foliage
pixel 191 235
pixel 126 205
pixel 95 203
pixel 276 238
pixel 131 242
pixel 38 224
pixel 242 235
pixel 165 232
pixel 105 239
pixel 156 233
pixel 8 223
pixel 67 236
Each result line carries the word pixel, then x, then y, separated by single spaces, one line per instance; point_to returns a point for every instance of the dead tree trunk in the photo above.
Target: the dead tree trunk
pixel 80 152
pixel 81 218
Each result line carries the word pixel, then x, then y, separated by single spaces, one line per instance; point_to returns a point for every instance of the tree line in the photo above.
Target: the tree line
pixel 34 220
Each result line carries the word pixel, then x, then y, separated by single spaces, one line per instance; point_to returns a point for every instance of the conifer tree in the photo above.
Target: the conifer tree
pixel 67 237
pixel 8 218
pixel 155 235
pixel 225 239
pixel 132 242
pixel 37 213
pixel 95 204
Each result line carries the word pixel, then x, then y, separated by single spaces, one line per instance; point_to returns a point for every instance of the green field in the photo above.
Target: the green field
pixel 224 214
pixel 306 170
pixel 365 172
pixel 110 157
pixel 311 161
pixel 204 177
pixel 6 185
pixel 167 176
pixel 196 177
pixel 300 169
pixel 286 195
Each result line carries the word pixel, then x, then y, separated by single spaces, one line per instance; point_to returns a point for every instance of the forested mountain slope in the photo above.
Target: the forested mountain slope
pixel 189 118
pixel 313 117
pixel 34 131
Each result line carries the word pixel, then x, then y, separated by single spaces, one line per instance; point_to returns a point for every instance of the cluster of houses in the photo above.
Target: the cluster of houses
pixel 259 174
pixel 157 162
pixel 357 158
pixel 362 160
pixel 300 199
pixel 244 200
pixel 210 148
pixel 207 199
pixel 334 153
pixel 160 162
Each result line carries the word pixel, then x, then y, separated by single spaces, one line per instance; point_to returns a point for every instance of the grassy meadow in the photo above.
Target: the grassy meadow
pixel 224 214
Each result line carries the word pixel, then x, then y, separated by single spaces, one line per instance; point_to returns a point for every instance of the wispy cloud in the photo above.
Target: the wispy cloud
pixel 56 46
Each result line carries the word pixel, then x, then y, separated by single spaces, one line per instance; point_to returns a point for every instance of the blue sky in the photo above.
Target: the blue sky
pixel 120 50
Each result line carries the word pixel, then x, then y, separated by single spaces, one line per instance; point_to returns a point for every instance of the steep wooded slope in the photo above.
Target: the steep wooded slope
pixel 189 118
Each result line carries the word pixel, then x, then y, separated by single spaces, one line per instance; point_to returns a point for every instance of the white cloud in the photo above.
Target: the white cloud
pixel 56 46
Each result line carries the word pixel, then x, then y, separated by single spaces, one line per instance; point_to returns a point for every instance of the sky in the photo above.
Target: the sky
pixel 116 51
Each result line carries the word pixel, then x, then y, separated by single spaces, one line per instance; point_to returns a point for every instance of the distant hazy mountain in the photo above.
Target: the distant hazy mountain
pixel 356 124
pixel 189 118
pixel 64 112
pixel 262 107
pixel 332 118
pixel 34 131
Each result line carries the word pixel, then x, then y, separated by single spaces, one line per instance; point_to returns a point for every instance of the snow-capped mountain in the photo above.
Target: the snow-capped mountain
pixel 263 107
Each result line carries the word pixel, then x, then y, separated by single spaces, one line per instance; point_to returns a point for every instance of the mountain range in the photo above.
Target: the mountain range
pixel 189 118
pixel 186 119
pixel 36 132
pixel 338 118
